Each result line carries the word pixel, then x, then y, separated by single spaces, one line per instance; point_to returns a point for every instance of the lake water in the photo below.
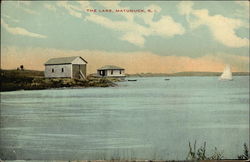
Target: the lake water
pixel 148 119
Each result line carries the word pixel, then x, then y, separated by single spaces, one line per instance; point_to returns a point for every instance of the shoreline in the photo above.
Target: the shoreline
pixel 13 80
pixel 186 74
pixel 56 84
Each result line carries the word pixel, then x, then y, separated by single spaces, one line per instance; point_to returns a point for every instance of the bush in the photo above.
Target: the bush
pixel 200 154
pixel 244 156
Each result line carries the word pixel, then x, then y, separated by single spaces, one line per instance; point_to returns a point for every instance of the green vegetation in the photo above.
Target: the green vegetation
pixel 245 155
pixel 200 154
pixel 12 80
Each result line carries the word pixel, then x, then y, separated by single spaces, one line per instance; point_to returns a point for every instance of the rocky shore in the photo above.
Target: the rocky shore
pixel 12 80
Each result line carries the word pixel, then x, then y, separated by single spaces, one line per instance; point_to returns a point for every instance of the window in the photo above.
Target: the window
pixel 111 72
pixel 62 70
pixel 52 70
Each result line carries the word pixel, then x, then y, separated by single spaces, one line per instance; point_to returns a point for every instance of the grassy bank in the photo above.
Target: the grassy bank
pixel 12 80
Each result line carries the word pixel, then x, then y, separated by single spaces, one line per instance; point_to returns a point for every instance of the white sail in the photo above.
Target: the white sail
pixel 227 74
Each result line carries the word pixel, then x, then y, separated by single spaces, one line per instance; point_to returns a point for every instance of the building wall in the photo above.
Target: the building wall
pixel 77 68
pixel 67 71
pixel 115 73
pixel 78 60
pixel 84 69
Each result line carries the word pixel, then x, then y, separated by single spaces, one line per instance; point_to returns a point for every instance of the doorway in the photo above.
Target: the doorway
pixel 102 72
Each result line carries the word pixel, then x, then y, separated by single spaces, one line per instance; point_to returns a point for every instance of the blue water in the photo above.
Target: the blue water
pixel 147 119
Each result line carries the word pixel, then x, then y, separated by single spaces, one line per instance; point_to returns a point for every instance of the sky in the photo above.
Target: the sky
pixel 140 36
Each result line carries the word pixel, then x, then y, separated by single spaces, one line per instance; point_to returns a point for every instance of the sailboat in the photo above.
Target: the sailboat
pixel 227 74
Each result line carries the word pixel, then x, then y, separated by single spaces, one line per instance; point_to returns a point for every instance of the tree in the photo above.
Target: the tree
pixel 21 67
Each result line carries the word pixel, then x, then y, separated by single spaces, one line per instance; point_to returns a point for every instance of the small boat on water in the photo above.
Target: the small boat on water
pixel 133 80
pixel 227 74
pixel 167 79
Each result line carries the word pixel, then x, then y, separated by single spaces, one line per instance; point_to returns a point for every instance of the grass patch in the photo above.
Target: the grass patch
pixel 12 80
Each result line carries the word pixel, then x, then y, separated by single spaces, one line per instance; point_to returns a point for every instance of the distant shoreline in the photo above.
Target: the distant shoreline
pixel 184 73
pixel 179 74
pixel 12 80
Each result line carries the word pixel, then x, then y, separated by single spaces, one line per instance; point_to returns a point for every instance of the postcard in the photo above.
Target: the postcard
pixel 124 80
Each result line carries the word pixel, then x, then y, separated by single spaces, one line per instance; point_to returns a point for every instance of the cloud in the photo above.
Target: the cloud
pixel 116 5
pixel 134 38
pixel 25 6
pixel 29 11
pixel 27 3
pixel 118 25
pixel 10 18
pixel 84 5
pixel 73 10
pixel 132 31
pixel 222 28
pixel 185 7
pixel 20 31
pixel 50 7
pixel 76 9
pixel 243 12
pixel 133 62
pixel 110 4
pixel 244 4
pixel 166 27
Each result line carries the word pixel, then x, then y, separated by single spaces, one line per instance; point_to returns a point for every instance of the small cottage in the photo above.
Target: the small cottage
pixel 66 67
pixel 111 71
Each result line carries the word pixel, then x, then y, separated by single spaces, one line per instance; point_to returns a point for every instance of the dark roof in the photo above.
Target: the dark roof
pixel 110 67
pixel 62 60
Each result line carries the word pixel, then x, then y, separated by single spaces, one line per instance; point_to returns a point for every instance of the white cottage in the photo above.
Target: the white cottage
pixel 111 71
pixel 66 67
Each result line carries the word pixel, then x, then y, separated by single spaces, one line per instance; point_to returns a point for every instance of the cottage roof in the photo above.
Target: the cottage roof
pixel 110 67
pixel 63 60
